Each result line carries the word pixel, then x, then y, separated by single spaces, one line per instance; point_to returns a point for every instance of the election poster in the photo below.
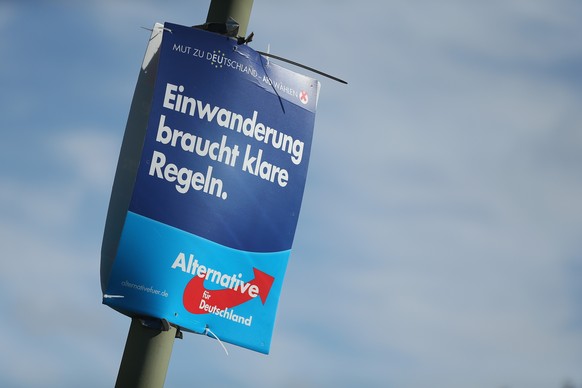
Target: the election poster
pixel 210 224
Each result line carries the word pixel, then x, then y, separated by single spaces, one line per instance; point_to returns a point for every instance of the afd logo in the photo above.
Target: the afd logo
pixel 234 291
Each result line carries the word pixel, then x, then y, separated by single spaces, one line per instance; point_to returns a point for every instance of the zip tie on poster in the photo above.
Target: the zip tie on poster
pixel 107 296
pixel 303 66
pixel 234 48
pixel 268 52
pixel 208 331
pixel 152 30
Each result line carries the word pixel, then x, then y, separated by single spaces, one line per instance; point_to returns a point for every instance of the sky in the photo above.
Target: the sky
pixel 440 237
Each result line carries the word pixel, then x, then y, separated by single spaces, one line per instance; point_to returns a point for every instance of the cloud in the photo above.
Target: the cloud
pixel 91 156
pixel 50 278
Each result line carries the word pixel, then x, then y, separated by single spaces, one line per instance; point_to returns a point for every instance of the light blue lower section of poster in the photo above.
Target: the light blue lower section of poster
pixel 156 262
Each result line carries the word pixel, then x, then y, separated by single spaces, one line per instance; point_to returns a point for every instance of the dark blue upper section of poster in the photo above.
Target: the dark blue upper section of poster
pixel 228 142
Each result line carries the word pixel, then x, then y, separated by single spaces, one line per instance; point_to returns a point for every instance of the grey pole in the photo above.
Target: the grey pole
pixel 239 10
pixel 146 356
pixel 149 342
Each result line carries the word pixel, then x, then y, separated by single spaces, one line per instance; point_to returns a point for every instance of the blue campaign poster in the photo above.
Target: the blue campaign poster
pixel 218 190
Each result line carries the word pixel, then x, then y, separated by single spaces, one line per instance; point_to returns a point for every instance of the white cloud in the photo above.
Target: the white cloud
pixel 50 280
pixel 90 154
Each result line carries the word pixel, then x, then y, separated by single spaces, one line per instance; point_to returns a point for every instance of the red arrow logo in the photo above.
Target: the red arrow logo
pixel 195 292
